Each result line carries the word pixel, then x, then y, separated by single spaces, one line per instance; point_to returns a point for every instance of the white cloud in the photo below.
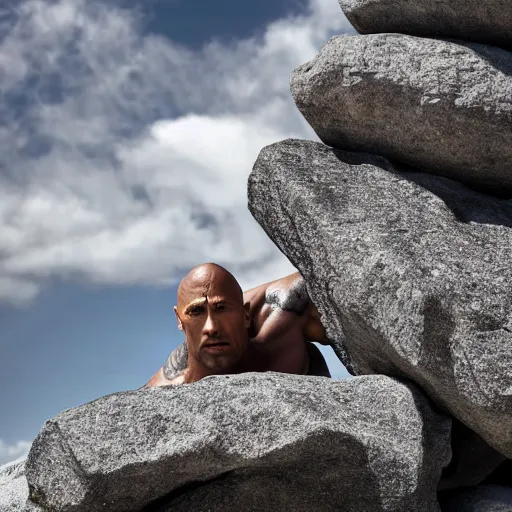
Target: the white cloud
pixel 124 157
pixel 13 452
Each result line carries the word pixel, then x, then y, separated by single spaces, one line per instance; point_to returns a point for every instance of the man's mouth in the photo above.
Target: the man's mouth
pixel 215 345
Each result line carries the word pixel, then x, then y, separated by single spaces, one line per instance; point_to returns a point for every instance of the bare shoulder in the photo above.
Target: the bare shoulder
pixel 283 306
pixel 276 310
pixel 159 379
pixel 288 294
pixel 178 380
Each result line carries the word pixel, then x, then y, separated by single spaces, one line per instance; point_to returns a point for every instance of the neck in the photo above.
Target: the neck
pixel 195 373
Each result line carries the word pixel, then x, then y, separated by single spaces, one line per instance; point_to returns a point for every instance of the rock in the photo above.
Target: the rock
pixel 487 22
pixel 13 487
pixel 486 498
pixel 443 107
pixel 410 272
pixel 319 444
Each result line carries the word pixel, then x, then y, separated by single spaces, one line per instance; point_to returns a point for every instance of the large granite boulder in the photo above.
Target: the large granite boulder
pixel 410 272
pixel 485 21
pixel 485 498
pixel 437 105
pixel 299 443
pixel 13 487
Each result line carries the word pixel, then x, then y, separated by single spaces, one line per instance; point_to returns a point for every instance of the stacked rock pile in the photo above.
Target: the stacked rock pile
pixel 401 224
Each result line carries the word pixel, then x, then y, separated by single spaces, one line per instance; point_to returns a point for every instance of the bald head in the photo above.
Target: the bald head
pixel 212 314
pixel 202 278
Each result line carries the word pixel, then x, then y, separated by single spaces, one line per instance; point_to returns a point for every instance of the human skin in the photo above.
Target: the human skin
pixel 265 329
pixel 211 313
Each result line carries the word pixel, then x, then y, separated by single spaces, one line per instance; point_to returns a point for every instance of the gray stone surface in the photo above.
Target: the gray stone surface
pixel 326 444
pixel 411 272
pixel 486 498
pixel 13 487
pixel 485 21
pixel 437 105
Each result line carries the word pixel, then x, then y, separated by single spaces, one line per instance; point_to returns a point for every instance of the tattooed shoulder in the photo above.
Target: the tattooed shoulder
pixel 293 299
pixel 176 362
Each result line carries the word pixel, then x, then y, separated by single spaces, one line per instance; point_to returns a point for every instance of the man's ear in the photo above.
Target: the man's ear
pixel 247 315
pixel 180 325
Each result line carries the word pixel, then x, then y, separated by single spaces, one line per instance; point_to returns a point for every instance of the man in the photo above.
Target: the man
pixel 227 331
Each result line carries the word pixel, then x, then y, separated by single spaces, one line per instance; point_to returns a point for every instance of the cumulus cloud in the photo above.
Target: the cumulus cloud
pixel 124 156
pixel 13 452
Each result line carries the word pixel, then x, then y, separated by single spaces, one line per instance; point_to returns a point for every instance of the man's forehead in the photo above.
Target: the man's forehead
pixel 201 294
pixel 207 299
pixel 197 288
pixel 208 281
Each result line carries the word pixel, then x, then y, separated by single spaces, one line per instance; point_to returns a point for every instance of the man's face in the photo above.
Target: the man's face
pixel 211 313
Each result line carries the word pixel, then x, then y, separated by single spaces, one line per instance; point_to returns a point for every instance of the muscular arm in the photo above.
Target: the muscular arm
pixel 276 308
pixel 284 319
pixel 290 295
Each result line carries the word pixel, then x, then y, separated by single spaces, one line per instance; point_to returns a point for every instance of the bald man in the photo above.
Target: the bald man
pixel 267 328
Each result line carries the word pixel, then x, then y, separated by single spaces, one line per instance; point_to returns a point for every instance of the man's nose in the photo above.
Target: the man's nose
pixel 211 326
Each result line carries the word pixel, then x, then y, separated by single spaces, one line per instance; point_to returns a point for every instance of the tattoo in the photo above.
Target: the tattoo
pixel 295 299
pixel 176 362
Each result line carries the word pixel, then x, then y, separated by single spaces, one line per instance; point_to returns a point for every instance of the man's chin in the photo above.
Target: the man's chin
pixel 221 363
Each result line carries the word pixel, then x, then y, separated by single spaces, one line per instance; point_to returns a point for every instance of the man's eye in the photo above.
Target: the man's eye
pixel 196 311
pixel 221 306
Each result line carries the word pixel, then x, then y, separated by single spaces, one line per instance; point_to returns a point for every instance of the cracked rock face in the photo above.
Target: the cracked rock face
pixel 437 105
pixel 488 21
pixel 308 442
pixel 410 272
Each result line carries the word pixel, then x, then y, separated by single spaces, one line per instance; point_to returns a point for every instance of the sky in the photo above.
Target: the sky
pixel 127 132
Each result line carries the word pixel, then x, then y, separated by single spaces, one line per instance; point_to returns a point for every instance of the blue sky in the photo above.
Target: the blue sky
pixel 127 132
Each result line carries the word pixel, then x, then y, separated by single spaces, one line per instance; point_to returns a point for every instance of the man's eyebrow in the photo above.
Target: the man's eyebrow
pixel 202 302
pixel 195 303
